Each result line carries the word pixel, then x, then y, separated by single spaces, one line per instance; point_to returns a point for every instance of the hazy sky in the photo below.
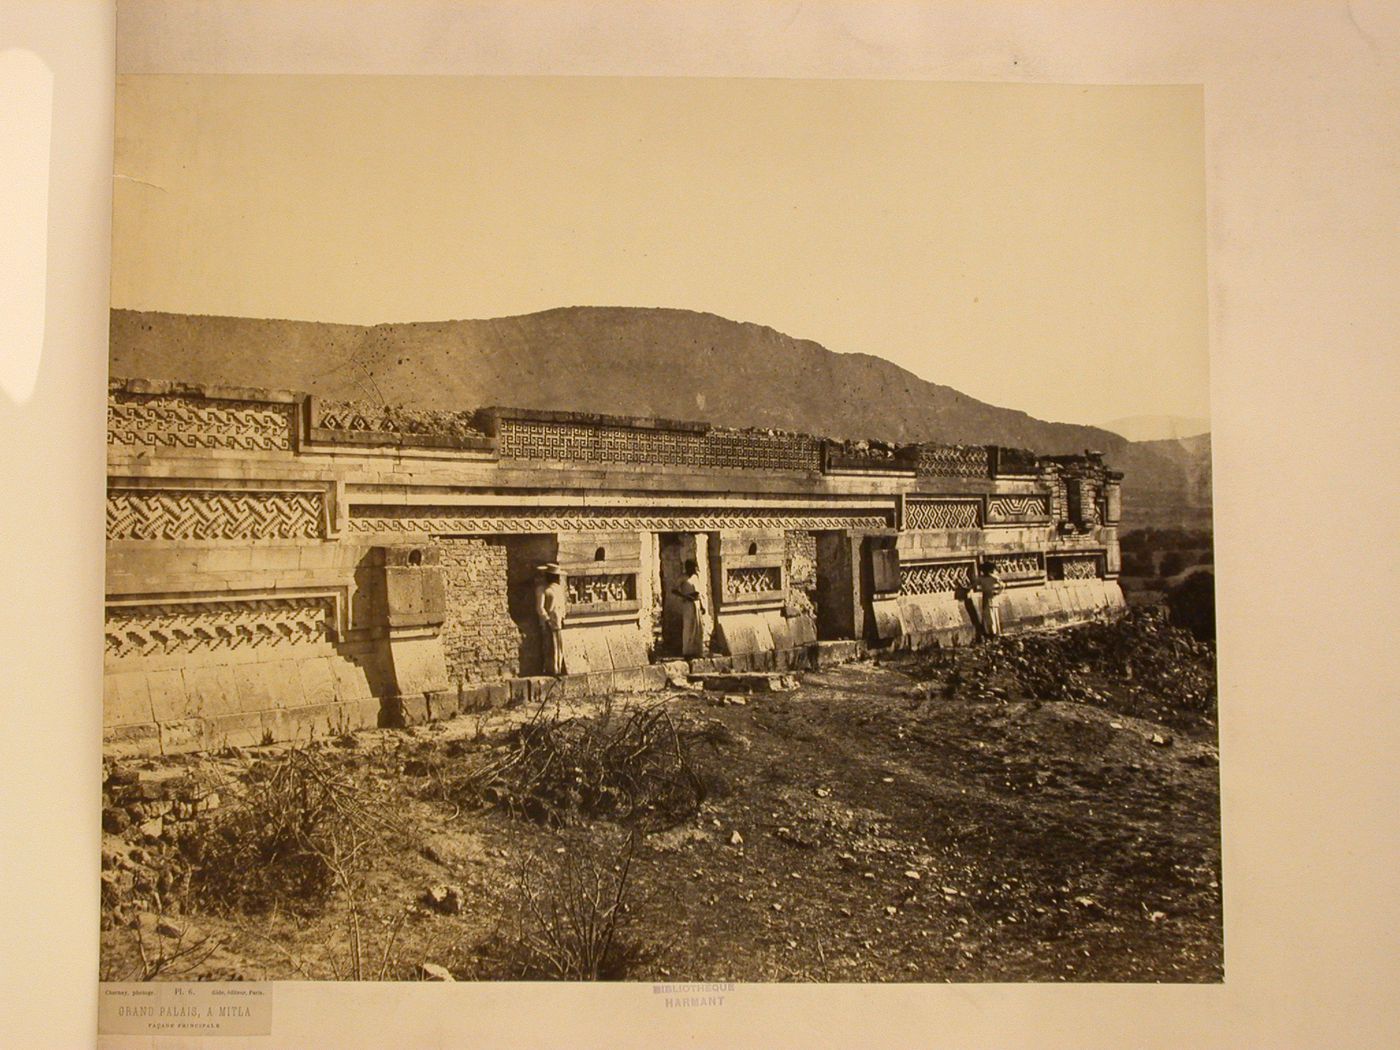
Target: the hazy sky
pixel 1038 247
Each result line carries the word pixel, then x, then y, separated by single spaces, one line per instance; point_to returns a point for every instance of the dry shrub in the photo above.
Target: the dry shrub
pixel 300 829
pixel 635 766
pixel 147 954
pixel 571 919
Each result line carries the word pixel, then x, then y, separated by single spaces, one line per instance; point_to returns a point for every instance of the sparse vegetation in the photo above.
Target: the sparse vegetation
pixel 1151 557
pixel 159 949
pixel 300 829
pixel 633 766
pixel 571 919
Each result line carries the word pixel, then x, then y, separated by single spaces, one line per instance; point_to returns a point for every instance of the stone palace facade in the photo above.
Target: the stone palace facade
pixel 281 567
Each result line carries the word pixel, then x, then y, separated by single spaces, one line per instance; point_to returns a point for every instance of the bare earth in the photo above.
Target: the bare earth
pixel 877 824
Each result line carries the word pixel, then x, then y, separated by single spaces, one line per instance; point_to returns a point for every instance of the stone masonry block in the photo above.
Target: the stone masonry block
pixel 442 705
pixel 494 694
pixel 131 740
pixel 256 689
pixel 126 699
pixel 285 679
pixel 239 730
pixel 168 699
pixel 210 690
pixel 183 736
pixel 351 680
pixel 542 687
pixel 573 687
pixel 317 681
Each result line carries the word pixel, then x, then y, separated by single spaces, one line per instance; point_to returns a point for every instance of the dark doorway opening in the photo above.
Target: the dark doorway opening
pixel 524 556
pixel 835 586
pixel 674 549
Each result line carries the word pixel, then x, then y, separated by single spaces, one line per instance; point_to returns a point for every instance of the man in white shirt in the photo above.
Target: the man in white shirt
pixel 550 602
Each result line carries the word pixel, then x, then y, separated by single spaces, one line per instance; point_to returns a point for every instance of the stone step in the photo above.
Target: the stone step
pixel 747 682
pixel 839 651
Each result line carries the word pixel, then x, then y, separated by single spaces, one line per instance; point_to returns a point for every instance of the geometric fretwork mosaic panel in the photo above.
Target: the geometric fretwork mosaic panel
pixel 449 521
pixel 348 416
pixel 602 587
pixel 200 514
pixel 935 579
pixel 942 513
pixel 166 421
pixel 533 439
pixel 340 415
pixel 166 628
pixel 954 461
pixel 1016 566
pixel 752 579
pixel 1078 567
pixel 1005 509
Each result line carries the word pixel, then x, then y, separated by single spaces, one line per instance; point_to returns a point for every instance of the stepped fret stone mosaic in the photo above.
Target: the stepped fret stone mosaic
pixel 162 629
pixel 1004 509
pixel 533 439
pixel 601 587
pixel 601 519
pixel 756 579
pixel 199 514
pixel 1017 566
pixel 955 461
pixel 943 578
pixel 1078 568
pixel 942 514
pixel 156 421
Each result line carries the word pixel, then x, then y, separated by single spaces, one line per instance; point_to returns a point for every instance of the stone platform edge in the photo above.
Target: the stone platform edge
pixel 309 722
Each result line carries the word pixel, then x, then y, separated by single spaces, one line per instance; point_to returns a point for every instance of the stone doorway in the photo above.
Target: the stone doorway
pixel 524 555
pixel 674 549
pixel 836 581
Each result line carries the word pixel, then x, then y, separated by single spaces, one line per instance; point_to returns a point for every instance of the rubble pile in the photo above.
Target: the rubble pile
pixel 145 812
pixel 1139 664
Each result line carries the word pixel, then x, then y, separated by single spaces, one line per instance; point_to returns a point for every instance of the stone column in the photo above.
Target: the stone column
pixel 415 606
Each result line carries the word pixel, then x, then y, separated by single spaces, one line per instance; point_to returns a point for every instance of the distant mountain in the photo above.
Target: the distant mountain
pixel 677 364
pixel 1158 428
pixel 1180 496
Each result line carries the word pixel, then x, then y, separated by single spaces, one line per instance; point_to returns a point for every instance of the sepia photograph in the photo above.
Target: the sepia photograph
pixel 729 524
pixel 680 530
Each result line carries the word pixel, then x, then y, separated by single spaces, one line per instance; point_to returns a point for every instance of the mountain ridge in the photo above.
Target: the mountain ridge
pixel 642 361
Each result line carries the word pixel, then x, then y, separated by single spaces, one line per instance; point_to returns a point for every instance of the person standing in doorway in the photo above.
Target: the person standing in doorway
pixel 989 586
pixel 550 602
pixel 692 610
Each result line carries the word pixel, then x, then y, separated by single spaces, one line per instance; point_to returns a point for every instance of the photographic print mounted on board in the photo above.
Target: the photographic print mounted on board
pixel 690 531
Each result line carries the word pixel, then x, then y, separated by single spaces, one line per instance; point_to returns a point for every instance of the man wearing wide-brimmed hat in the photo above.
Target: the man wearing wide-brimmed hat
pixel 550 602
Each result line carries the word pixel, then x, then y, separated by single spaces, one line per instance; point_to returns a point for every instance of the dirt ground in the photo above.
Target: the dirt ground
pixel 917 819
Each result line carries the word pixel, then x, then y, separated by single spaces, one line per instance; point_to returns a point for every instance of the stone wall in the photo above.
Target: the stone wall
pixel 279 568
pixel 480 639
